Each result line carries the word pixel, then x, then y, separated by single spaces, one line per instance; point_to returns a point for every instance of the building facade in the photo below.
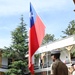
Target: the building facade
pixel 3 64
pixel 42 57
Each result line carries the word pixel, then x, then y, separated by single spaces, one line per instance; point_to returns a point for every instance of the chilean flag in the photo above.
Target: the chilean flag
pixel 36 35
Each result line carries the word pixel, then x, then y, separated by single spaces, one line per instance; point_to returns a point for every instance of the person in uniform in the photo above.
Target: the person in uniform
pixel 58 67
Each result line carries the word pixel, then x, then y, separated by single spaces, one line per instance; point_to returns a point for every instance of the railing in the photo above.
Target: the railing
pixel 4 66
pixel 36 67
pixel 46 65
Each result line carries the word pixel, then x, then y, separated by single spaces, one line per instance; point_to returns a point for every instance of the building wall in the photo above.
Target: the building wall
pixel 4 61
pixel 64 55
pixel 1 73
pixel 0 59
pixel 3 64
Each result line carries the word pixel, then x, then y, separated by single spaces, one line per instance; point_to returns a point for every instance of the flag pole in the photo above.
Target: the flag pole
pixel 47 62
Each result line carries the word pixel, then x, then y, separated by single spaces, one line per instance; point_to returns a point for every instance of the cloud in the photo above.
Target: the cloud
pixel 13 7
pixel 4 28
pixel 45 8
pixel 5 42
pixel 47 5
pixel 8 28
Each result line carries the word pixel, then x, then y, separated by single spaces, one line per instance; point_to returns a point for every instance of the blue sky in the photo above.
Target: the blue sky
pixel 55 14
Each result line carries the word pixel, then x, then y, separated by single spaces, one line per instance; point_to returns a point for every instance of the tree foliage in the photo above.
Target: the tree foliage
pixel 70 30
pixel 17 68
pixel 17 50
pixel 48 38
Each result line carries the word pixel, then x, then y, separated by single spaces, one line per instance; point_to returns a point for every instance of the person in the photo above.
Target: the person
pixel 41 64
pixel 58 67
pixel 73 73
pixel 70 69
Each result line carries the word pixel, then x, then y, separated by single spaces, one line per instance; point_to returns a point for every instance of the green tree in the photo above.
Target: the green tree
pixel 70 30
pixel 17 50
pixel 48 38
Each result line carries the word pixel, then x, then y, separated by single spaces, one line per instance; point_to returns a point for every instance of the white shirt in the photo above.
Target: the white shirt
pixel 73 73
pixel 51 69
